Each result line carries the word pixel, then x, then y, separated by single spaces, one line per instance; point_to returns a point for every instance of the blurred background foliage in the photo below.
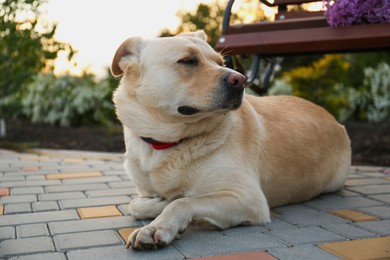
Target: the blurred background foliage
pixel 354 87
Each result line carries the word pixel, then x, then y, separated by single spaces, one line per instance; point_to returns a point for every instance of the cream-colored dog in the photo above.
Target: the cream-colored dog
pixel 198 148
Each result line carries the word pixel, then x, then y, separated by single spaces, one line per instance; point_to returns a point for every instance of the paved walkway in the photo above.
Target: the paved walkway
pixel 73 205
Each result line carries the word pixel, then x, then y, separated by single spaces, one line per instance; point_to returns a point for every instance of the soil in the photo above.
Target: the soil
pixel 370 142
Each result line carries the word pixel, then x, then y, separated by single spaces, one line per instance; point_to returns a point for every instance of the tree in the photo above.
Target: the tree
pixel 27 46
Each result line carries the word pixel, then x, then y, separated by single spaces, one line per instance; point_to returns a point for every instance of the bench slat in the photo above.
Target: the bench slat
pixel 308 40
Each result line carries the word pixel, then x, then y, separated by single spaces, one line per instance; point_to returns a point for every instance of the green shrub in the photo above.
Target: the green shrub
pixel 66 101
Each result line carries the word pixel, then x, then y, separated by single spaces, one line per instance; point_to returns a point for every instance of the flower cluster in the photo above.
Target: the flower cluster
pixel 350 12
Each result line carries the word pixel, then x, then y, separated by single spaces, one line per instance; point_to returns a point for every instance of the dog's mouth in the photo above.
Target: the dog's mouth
pixel 187 110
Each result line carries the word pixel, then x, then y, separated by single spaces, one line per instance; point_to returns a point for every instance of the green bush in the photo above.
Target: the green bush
pixel 66 101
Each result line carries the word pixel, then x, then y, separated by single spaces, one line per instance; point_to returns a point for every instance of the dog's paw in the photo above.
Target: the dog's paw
pixel 150 237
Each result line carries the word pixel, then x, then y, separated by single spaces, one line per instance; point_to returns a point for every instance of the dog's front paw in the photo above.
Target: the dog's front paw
pixel 150 237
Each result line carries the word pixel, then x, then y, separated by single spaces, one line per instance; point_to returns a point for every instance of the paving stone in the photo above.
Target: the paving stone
pixel 81 187
pixel 278 224
pixel 303 216
pixel 45 206
pixel 333 202
pixel 206 243
pixel 66 242
pixel 32 230
pixel 45 256
pixel 13 178
pixel 26 245
pixel 371 189
pixel 11 184
pixel 125 233
pixel 18 199
pixel 382 212
pixel 38 217
pixel 17 208
pixel 92 180
pixel 122 184
pixel 381 227
pixel 99 212
pixel 348 230
pixel 27 190
pixel 35 178
pixel 1 210
pixel 92 224
pixel 366 181
pixel 247 256
pixel 306 235
pixel 61 196
pixel 243 230
pixel 302 252
pixel 353 215
pixel 29 168
pixel 91 202
pixel 121 253
pixel 111 192
pixel 7 233
pixel 384 198
pixel 76 175
pixel 373 248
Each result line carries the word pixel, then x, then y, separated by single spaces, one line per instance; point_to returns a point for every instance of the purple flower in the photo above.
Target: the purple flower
pixel 350 12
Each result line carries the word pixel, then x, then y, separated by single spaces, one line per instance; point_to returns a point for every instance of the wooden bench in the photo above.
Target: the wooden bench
pixel 295 33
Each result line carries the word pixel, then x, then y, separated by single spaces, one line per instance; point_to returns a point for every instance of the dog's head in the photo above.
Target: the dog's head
pixel 180 77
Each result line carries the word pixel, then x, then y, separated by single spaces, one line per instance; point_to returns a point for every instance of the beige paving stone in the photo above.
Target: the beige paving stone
pixel 125 233
pixel 30 168
pixel 77 175
pixel 73 160
pixel 99 212
pixel 373 248
pixel 35 158
pixel 353 215
pixel 1 210
pixel 4 192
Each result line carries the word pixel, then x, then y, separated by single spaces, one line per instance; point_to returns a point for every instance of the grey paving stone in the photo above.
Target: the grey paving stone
pixel 206 243
pixel 32 230
pixel 121 253
pixel 372 189
pixel 243 230
pixel 17 208
pixel 7 233
pixel 90 202
pixel 26 246
pixel 382 212
pixel 92 180
pixel 381 227
pixel 307 235
pixel 302 252
pixel 366 181
pixel 347 230
pixel 18 199
pixel 303 216
pixel 27 190
pixel 384 198
pixel 13 178
pixel 114 172
pixel 45 206
pixel 66 242
pixel 124 208
pixel 278 224
pixel 46 256
pixel 111 192
pixel 10 184
pixel 333 202
pixel 61 196
pixel 91 224
pixel 36 178
pixel 80 187
pixel 38 217
pixel 123 184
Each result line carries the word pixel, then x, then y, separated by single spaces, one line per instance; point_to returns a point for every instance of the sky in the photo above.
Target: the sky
pixel 95 28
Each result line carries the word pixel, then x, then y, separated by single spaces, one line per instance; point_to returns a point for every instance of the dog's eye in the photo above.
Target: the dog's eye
pixel 192 61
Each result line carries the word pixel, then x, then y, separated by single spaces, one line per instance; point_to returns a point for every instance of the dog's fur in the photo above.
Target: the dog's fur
pixel 234 161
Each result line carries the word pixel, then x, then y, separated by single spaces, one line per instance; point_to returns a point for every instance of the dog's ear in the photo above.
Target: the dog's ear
pixel 127 56
pixel 198 34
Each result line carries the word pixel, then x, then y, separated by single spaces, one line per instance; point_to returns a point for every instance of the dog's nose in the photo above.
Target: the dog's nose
pixel 236 80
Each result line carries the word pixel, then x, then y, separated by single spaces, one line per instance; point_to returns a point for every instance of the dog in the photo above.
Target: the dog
pixel 199 148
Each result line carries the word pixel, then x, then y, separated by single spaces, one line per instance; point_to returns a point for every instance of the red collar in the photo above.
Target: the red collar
pixel 158 145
